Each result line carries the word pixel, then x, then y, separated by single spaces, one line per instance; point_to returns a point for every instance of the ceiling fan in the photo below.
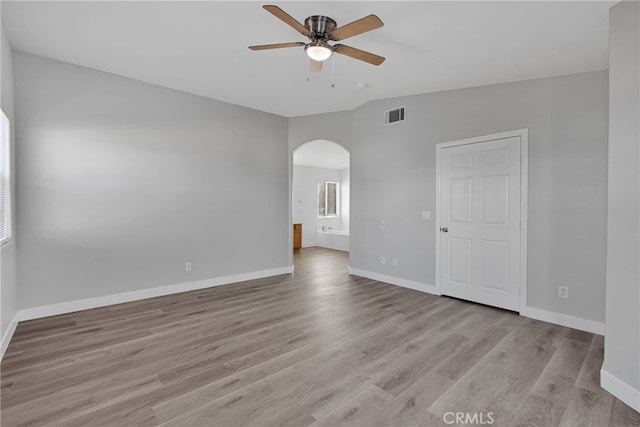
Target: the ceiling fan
pixel 321 30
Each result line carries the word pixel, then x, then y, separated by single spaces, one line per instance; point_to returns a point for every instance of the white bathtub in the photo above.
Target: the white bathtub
pixel 334 239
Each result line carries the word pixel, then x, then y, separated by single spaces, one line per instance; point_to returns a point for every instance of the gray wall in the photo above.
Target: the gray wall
pixel 8 276
pixel 393 179
pixel 336 127
pixel 122 182
pixel 622 346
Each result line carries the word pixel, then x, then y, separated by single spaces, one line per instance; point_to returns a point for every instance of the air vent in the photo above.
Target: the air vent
pixel 394 116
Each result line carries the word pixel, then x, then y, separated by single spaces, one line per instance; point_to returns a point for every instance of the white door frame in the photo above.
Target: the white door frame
pixel 524 181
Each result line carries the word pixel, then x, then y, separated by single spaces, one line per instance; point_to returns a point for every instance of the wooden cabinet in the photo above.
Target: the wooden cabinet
pixel 297 236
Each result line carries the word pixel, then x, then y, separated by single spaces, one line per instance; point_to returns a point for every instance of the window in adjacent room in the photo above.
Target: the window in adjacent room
pixel 5 180
pixel 328 198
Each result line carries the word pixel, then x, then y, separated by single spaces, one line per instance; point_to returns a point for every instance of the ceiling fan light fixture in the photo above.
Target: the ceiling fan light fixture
pixel 319 50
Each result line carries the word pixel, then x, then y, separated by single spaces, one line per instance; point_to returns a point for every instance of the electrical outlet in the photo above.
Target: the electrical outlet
pixel 381 224
pixel 187 266
pixel 394 262
pixel 563 292
pixel 382 260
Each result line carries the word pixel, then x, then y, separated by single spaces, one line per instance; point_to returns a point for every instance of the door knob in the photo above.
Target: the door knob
pixel 444 229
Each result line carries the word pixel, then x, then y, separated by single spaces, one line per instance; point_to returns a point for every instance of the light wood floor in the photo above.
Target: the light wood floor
pixel 317 347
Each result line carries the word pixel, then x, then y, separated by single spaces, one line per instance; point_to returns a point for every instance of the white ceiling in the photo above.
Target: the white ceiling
pixel 321 154
pixel 201 47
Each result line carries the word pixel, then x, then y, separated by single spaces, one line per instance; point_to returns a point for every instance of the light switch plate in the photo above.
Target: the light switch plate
pixel 426 214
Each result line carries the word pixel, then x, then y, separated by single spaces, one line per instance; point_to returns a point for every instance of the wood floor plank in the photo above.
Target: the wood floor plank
pixel 218 353
pixel 365 409
pixel 19 395
pixel 502 380
pixel 468 355
pixel 587 408
pixel 136 353
pixel 538 412
pixel 589 377
pixel 235 409
pixel 198 397
pixel 83 344
pixel 73 401
pixel 416 361
pixel 319 399
pixel 314 347
pixel 545 332
pixel 408 408
pixel 285 386
pixel 623 416
pixel 560 375
pixel 482 318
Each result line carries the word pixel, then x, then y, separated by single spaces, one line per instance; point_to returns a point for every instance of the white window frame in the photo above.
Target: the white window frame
pixel 5 134
pixel 326 194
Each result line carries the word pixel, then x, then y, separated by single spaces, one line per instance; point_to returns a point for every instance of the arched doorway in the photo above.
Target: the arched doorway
pixel 320 194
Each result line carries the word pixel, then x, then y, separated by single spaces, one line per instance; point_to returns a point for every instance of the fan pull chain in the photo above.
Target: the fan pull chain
pixel 332 81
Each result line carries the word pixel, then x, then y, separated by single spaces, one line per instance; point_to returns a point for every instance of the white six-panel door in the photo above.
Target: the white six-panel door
pixel 479 222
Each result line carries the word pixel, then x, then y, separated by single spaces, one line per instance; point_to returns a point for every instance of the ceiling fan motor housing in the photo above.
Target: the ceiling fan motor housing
pixel 319 26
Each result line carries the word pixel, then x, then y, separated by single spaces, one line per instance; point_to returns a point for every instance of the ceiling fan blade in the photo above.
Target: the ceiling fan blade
pixel 360 26
pixel 287 19
pixel 276 46
pixel 358 54
pixel 315 66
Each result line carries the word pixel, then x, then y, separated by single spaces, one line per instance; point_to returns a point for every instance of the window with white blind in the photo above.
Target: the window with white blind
pixel 5 180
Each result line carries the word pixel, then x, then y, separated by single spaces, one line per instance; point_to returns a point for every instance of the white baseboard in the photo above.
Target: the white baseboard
pixel 620 389
pixel 417 286
pixel 6 338
pixel 564 320
pixel 309 244
pixel 85 304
